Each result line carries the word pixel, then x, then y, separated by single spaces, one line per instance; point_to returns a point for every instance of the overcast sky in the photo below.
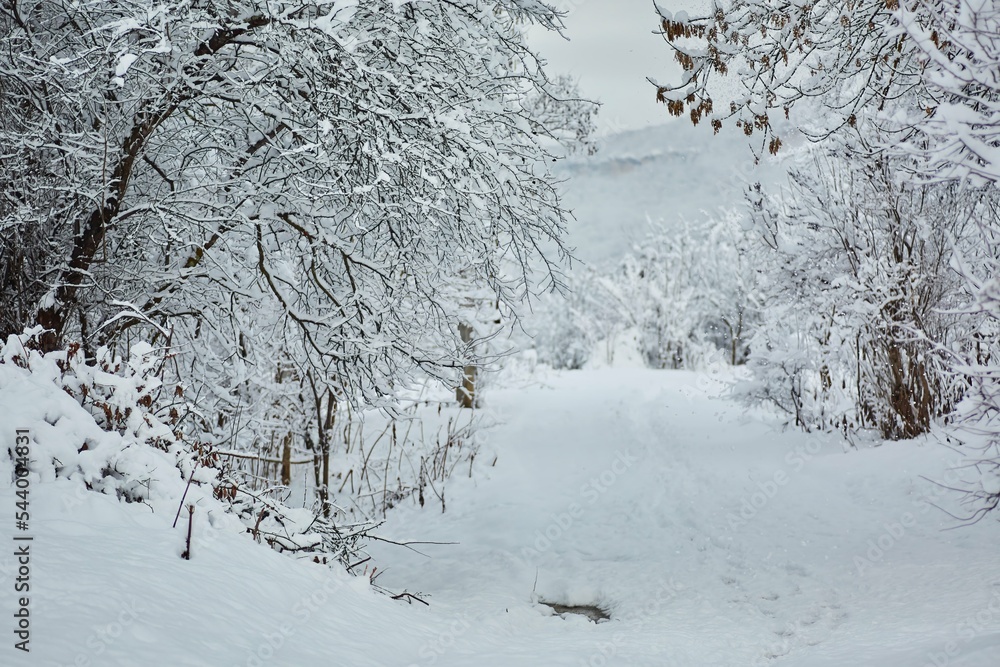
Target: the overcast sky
pixel 611 50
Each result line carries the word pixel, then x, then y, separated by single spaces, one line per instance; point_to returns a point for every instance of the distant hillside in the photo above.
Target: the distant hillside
pixel 669 172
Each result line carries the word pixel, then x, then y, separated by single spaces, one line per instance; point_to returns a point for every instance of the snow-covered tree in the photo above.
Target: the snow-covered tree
pixel 862 320
pixel 559 113
pixel 924 72
pixel 845 61
pixel 913 85
pixel 958 42
pixel 686 293
pixel 295 199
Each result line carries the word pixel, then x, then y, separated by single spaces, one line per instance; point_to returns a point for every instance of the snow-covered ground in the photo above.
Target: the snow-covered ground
pixel 709 535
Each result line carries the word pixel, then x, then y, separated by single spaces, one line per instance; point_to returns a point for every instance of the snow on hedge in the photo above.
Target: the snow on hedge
pixel 132 454
pixel 105 427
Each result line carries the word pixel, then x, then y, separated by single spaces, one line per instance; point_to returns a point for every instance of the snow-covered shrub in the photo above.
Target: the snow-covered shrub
pixel 978 425
pixel 373 460
pixel 97 424
pixel 957 140
pixel 108 428
pixel 566 327
pixel 684 293
pixel 862 318
pixel 383 461
pixel 277 430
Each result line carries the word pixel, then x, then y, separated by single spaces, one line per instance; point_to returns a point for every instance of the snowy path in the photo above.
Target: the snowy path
pixel 711 537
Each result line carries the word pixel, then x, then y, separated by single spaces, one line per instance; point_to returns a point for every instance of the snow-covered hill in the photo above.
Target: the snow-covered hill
pixel 669 172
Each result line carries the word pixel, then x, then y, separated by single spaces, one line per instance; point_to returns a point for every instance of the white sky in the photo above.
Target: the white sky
pixel 611 50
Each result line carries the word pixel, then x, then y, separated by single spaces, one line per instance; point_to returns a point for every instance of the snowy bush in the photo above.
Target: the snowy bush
pixel 108 428
pixel 979 424
pixel 957 140
pixel 96 424
pixel 863 303
pixel 375 459
pixel 683 296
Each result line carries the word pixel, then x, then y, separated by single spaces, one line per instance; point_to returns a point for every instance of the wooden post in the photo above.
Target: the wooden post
pixel 286 460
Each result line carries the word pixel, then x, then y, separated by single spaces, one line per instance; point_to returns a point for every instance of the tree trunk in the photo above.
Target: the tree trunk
pixel 465 394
